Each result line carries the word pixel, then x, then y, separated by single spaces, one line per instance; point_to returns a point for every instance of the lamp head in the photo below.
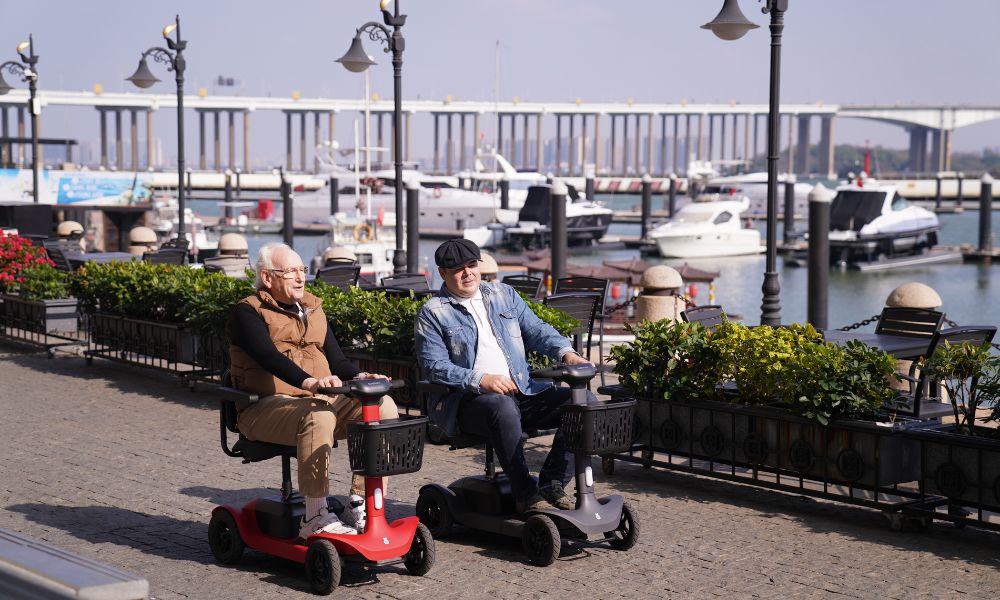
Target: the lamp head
pixel 22 48
pixel 143 77
pixel 168 30
pixel 356 60
pixel 730 23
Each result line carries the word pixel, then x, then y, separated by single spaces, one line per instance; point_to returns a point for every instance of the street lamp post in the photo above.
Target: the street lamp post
pixel 356 60
pixel 173 57
pixel 27 70
pixel 730 24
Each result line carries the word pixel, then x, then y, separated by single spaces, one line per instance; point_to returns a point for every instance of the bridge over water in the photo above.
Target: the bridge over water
pixel 618 138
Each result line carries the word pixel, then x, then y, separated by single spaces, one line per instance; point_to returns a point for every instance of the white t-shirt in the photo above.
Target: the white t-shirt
pixel 489 357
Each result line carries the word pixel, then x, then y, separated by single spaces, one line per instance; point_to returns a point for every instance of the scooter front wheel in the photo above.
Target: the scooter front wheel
pixel 323 567
pixel 420 558
pixel 626 534
pixel 432 510
pixel 541 540
pixel 224 538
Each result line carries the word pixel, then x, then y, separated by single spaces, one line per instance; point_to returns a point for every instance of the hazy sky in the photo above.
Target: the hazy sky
pixel 835 51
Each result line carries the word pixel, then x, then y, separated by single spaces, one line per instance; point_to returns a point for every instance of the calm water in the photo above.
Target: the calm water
pixel 967 290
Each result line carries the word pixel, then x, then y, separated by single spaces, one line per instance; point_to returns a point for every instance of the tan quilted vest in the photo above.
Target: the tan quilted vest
pixel 302 344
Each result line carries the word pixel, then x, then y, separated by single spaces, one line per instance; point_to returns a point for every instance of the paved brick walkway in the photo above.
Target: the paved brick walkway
pixel 123 465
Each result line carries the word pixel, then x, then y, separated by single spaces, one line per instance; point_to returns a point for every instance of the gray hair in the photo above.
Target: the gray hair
pixel 264 262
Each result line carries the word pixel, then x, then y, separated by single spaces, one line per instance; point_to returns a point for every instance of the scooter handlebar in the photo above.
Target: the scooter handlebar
pixel 364 387
pixel 566 372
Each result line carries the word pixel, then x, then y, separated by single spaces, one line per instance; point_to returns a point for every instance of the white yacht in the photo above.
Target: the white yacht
pixel 491 167
pixel 754 187
pixel 704 229
pixel 869 220
pixel 373 243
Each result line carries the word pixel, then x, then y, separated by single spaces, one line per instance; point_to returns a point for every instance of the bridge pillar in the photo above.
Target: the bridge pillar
pixel 614 140
pixel 246 139
pixel 597 143
pixel 437 152
pixel 104 137
pixel 216 141
pixel 317 136
pixel 663 146
pixel 583 143
pixel 134 138
pixel 557 160
pixel 538 142
pixel 637 164
pixel 149 140
pixel 449 143
pixel 701 136
pixel 119 156
pixel 201 142
pixel 826 161
pixel 918 143
pixel 461 142
pixel 288 141
pixel 746 142
pixel 791 144
pixel 711 136
pixel 302 141
pixel 936 154
pixel 624 170
pixel 802 160
pixel 649 144
pixel 677 124
pixel 406 149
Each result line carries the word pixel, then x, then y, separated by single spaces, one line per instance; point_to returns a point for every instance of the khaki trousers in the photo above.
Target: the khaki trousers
pixel 310 424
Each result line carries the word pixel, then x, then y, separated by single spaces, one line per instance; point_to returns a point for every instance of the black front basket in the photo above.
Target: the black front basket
pixel 603 428
pixel 388 448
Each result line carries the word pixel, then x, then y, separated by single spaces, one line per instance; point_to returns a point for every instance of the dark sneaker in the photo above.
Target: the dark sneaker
pixel 555 495
pixel 533 503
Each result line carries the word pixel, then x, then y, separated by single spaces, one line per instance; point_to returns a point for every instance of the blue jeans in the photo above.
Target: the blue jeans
pixel 501 419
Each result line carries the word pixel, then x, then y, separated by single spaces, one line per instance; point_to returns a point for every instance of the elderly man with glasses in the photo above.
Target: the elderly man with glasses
pixel 282 349
pixel 474 337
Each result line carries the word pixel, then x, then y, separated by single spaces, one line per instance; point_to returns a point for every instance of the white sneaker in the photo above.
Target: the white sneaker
pixel 324 522
pixel 355 514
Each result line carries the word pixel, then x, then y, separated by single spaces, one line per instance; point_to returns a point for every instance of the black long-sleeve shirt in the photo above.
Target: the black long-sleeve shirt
pixel 249 332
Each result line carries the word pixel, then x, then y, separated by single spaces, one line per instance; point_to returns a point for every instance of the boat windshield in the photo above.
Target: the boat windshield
pixel 693 217
pixel 853 209
pixel 723 217
pixel 900 203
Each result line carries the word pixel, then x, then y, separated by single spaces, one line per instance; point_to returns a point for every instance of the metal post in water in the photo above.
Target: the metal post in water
pixel 505 193
pixel 334 196
pixel 958 197
pixel 672 196
pixel 647 205
pixel 288 227
pixel 986 214
pixel 228 196
pixel 557 226
pixel 937 190
pixel 819 256
pixel 589 172
pixel 788 222
pixel 412 225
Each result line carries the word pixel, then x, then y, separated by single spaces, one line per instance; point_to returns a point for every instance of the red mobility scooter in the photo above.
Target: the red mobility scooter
pixel 270 524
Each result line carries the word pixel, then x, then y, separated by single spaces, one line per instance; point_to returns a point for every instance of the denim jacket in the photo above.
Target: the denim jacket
pixel 446 338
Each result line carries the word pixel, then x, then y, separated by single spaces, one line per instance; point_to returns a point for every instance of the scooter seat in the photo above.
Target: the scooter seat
pixel 253 451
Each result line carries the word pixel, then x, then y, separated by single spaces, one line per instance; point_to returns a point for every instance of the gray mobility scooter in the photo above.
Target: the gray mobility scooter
pixel 485 503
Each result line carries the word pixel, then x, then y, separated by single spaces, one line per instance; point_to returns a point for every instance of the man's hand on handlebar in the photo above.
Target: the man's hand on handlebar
pixel 498 384
pixel 572 358
pixel 312 384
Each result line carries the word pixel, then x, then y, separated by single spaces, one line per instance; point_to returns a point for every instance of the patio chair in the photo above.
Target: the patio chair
pixel 529 285
pixel 232 266
pixel 583 308
pixel 341 276
pixel 924 400
pixel 709 315
pixel 584 285
pixel 407 281
pixel 59 252
pixel 166 257
pixel 909 322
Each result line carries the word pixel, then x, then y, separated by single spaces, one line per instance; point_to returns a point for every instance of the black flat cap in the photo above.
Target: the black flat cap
pixel 456 252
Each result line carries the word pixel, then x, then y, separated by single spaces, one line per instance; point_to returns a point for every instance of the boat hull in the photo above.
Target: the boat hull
pixel 709 244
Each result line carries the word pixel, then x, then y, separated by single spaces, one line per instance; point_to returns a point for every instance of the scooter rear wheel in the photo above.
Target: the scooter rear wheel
pixel 323 567
pixel 420 558
pixel 224 538
pixel 541 540
pixel 432 510
pixel 626 534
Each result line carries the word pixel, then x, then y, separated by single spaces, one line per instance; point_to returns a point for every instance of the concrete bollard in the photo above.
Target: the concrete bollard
pixel 334 196
pixel 819 256
pixel 488 268
pixel 647 205
pixel 672 196
pixel 788 221
pixel 911 295
pixel 986 214
pixel 141 240
pixel 659 296
pixel 557 226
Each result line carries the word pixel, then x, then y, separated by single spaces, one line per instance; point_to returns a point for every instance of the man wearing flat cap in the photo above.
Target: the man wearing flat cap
pixel 474 337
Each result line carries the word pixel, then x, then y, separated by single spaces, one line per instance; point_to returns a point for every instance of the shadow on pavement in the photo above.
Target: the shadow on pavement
pixel 818 515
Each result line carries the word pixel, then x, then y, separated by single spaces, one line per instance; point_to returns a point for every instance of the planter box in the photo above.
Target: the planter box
pixel 40 316
pixel 858 453
pixel 963 468
pixel 141 341
pixel 212 354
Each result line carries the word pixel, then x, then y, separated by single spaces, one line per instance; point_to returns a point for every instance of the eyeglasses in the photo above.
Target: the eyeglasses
pixel 290 272
pixel 471 266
